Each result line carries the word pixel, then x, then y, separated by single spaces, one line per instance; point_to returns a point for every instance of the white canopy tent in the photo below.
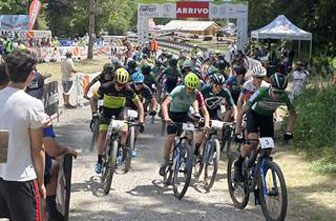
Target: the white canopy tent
pixel 282 28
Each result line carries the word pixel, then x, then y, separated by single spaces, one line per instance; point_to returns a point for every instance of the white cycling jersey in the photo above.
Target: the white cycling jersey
pixel 249 88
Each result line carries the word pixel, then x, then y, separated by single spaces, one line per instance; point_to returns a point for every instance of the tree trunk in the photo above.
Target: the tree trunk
pixel 92 13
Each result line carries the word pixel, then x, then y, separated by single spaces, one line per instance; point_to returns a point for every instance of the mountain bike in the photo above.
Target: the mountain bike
pixel 209 155
pixel 263 177
pixel 179 171
pixel 227 137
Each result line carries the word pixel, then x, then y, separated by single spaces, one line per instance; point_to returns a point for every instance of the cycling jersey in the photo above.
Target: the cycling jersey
pixel 145 95
pixel 114 99
pixel 211 99
pixel 249 88
pixel 263 104
pixel 181 101
pixel 172 73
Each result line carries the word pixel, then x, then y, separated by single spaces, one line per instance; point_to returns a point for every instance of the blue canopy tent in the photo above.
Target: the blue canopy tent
pixel 282 28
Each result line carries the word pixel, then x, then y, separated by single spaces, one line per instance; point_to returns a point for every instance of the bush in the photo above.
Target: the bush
pixel 315 128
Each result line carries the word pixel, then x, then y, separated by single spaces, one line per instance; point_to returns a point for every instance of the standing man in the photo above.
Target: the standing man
pixel 68 69
pixel 21 151
pixel 299 76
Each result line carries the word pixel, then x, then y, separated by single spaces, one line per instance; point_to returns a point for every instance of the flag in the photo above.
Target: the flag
pixel 34 10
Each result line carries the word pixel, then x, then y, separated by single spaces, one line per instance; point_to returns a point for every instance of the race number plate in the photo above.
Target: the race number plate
pixel 4 136
pixel 132 114
pixel 217 124
pixel 117 124
pixel 266 142
pixel 188 127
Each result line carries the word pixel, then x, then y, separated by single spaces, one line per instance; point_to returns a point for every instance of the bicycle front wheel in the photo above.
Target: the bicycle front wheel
pixel 109 166
pixel 272 192
pixel 211 163
pixel 183 163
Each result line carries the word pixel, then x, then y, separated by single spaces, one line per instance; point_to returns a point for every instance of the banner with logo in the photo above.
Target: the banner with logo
pixel 14 22
pixel 34 11
pixel 192 9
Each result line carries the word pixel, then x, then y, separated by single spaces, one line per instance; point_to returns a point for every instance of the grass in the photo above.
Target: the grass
pixel 85 66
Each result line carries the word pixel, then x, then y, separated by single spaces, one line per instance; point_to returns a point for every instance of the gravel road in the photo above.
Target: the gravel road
pixel 139 194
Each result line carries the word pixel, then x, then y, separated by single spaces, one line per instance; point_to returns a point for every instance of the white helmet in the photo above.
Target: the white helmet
pixel 259 71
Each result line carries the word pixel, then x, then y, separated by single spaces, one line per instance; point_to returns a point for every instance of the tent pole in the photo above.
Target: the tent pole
pixel 299 49
pixel 311 49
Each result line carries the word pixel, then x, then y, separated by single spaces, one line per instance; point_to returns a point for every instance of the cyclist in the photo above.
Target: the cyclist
pixel 236 82
pixel 131 66
pixel 172 74
pixel 114 95
pixel 259 73
pixel 180 99
pixel 105 76
pixel 259 109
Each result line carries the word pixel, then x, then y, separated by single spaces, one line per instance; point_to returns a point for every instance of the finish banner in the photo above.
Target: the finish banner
pixel 192 9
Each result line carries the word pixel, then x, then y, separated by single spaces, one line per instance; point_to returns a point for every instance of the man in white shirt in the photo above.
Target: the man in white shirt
pixel 68 69
pixel 299 77
pixel 21 151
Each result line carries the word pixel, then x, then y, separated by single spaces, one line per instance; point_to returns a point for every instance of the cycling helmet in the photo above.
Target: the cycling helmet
pixel 138 77
pixel 108 68
pixel 191 80
pixel 259 71
pixel 217 79
pixel 158 62
pixel 240 70
pixel 222 64
pixel 116 62
pixel 122 75
pixel 197 71
pixel 169 56
pixel 173 62
pixel 68 54
pixel 144 56
pixel 146 69
pixel 131 64
pixel 279 81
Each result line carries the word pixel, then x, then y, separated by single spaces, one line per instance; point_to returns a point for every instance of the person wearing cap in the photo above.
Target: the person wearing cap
pixel 68 70
pixel 298 76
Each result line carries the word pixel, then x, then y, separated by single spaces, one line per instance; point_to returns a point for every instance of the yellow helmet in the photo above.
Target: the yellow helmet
pixel 191 80
pixel 122 75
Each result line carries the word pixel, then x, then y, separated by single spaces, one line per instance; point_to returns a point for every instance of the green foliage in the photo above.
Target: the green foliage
pixel 315 128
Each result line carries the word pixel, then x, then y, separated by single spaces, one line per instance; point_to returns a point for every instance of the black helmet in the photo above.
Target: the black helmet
pixel 173 62
pixel 222 64
pixel 197 71
pixel 240 70
pixel 131 64
pixel 279 81
pixel 146 69
pixel 169 56
pixel 217 79
pixel 108 68
pixel 144 56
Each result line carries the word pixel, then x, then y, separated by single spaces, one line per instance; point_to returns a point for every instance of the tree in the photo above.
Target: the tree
pixel 92 14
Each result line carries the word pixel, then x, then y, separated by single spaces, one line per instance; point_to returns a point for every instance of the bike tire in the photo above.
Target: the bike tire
pixel 189 161
pixel 110 166
pixel 214 155
pixel 199 162
pixel 233 186
pixel 276 169
pixel 94 138
pixel 127 151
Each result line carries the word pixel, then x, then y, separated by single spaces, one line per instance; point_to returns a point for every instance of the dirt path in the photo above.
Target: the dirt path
pixel 138 195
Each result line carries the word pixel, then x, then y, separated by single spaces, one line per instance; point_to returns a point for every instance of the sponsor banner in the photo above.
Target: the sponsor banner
pixel 167 10
pixel 192 9
pixel 51 98
pixel 34 11
pixel 11 34
pixel 14 22
pixel 228 10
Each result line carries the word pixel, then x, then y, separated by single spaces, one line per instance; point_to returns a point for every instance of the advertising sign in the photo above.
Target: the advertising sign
pixel 14 22
pixel 192 9
pixel 34 11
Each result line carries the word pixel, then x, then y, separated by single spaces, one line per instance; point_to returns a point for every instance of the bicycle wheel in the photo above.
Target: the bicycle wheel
pixel 239 194
pixel 272 192
pixel 183 162
pixel 226 141
pixel 109 166
pixel 211 163
pixel 127 151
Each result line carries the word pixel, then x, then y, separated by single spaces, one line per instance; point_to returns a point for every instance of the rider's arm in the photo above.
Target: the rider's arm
pixel 155 104
pixel 201 104
pixel 165 106
pixel 94 80
pixel 240 115
pixel 140 108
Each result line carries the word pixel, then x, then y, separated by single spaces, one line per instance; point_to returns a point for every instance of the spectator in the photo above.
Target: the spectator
pixel 3 76
pixel 53 149
pixel 68 69
pixel 299 77
pixel 22 118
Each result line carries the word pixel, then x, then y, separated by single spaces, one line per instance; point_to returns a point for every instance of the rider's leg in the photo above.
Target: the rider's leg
pixel 199 138
pixel 123 135
pixel 167 147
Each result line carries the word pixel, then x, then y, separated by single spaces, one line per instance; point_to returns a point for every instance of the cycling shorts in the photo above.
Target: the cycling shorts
pixel 258 123
pixel 179 117
pixel 106 116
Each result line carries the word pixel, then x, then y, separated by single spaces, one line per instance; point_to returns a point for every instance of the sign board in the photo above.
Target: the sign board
pixel 51 98
pixel 11 34
pixel 14 22
pixel 194 9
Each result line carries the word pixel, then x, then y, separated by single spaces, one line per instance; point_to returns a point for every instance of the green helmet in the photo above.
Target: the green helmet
pixel 191 80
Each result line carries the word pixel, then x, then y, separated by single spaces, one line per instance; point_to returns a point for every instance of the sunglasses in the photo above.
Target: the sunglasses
pixel 138 84
pixel 277 92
